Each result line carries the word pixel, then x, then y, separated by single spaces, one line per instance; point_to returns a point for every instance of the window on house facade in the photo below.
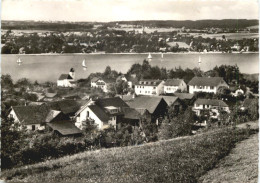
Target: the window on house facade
pixel 211 87
pixel 33 127
pixel 154 87
pixel 87 113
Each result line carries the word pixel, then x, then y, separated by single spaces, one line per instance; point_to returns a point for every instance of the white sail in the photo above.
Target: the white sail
pixel 84 63
pixel 149 56
pixel 19 60
pixel 199 60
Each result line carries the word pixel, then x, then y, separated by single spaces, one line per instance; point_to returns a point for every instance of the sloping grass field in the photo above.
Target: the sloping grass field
pixel 240 166
pixel 177 160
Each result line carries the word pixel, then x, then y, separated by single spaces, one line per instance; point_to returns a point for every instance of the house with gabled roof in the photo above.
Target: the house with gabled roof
pixel 212 106
pixel 67 80
pixel 172 85
pixel 155 106
pixel 187 98
pixel 206 84
pixel 32 117
pixel 103 84
pixel 40 117
pixel 149 87
pixel 102 112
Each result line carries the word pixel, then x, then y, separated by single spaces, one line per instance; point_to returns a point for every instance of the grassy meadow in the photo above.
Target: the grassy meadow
pixel 183 159
pixel 240 166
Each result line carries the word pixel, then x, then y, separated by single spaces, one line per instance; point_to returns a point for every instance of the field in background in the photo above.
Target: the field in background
pixel 235 36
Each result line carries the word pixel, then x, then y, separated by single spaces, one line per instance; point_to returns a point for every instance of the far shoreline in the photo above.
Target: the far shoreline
pixel 145 53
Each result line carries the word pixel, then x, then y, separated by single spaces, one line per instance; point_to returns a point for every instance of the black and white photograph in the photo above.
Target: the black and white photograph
pixel 130 91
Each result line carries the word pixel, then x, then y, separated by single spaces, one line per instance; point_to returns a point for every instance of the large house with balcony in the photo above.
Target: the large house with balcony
pixel 206 84
pixel 101 83
pixel 149 87
pixel 102 112
pixel 211 107
pixel 172 85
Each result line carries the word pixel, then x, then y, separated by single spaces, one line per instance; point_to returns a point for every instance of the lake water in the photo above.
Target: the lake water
pixel 49 67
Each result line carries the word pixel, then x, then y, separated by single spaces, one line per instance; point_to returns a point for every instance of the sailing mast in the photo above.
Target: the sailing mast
pixel 199 61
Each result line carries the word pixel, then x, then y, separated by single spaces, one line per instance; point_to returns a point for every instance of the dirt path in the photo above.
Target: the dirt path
pixel 240 166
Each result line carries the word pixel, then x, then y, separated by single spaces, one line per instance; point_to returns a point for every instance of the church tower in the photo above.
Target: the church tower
pixel 72 73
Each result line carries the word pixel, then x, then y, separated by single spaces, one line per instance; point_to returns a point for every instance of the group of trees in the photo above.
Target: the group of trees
pixel 15 93
pixel 177 125
pixel 116 41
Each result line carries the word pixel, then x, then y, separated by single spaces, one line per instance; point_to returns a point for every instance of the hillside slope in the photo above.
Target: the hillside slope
pixel 176 160
pixel 240 166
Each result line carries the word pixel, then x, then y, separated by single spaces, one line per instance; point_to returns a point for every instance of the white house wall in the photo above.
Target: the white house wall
pixel 65 83
pixel 149 90
pixel 145 90
pixel 112 121
pixel 83 117
pixel 207 89
pixel 16 120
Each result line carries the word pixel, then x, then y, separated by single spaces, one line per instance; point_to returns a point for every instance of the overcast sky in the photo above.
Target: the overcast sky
pixel 114 10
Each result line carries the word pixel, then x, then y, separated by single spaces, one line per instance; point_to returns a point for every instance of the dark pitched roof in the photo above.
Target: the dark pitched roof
pixel 65 76
pixel 247 102
pixel 100 113
pixel 66 106
pixel 50 95
pixel 51 115
pixel 109 80
pixel 73 82
pixel 125 97
pixel 184 96
pixel 64 127
pixel 131 113
pixel 94 79
pixel 149 82
pixel 206 81
pixel 116 102
pixel 145 102
pixel 212 102
pixel 170 99
pixel 31 114
pixel 173 82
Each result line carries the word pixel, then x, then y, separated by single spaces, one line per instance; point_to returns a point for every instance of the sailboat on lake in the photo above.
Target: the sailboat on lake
pixel 199 61
pixel 19 62
pixel 149 57
pixel 84 64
